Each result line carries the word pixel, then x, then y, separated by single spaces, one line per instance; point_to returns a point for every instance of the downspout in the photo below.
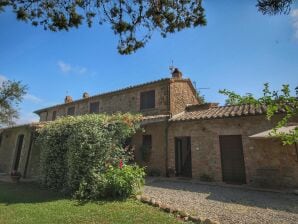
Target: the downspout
pixel 296 150
pixel 167 128
pixel 166 147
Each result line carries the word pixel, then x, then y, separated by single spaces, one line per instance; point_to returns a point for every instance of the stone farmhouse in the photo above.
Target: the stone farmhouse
pixel 186 137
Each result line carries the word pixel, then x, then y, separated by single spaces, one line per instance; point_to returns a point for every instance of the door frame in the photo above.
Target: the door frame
pixel 18 152
pixel 242 158
pixel 179 150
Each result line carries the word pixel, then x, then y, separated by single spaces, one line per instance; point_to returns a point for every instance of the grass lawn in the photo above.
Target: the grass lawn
pixel 28 203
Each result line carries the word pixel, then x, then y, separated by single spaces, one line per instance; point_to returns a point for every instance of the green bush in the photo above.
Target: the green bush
pixel 77 152
pixel 123 182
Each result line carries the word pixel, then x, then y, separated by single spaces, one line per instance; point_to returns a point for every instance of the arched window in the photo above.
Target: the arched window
pixel 19 147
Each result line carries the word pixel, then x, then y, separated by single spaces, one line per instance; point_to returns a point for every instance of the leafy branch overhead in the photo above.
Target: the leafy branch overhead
pixel 274 101
pixel 133 21
pixel 274 7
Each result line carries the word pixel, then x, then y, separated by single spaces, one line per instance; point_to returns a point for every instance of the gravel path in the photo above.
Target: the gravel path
pixel 225 204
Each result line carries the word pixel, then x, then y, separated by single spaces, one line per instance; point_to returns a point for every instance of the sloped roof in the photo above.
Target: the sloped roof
pixel 30 125
pixel 107 93
pixel 154 119
pixel 201 112
pixel 268 134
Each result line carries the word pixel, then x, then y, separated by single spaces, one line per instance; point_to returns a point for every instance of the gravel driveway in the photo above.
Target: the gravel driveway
pixel 226 204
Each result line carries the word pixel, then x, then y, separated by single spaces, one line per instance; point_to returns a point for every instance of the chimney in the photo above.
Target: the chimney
pixel 85 95
pixel 177 74
pixel 68 99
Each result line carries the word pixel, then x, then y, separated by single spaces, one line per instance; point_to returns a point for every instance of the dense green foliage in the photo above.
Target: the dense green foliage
pixel 80 153
pixel 275 101
pixel 121 182
pixel 27 203
pixel 11 94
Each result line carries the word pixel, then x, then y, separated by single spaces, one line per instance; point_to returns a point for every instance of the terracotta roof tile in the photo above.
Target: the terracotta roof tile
pixel 219 112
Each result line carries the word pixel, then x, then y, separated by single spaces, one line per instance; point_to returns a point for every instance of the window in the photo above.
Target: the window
pixel 147 100
pixel 147 141
pixel 18 152
pixel 146 148
pixel 94 107
pixel 71 111
pixel 54 115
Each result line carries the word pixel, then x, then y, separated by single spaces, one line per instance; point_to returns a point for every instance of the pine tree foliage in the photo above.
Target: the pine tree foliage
pixel 274 7
pixel 134 21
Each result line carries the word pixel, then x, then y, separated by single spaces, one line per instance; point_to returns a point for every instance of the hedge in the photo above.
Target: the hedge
pixel 83 156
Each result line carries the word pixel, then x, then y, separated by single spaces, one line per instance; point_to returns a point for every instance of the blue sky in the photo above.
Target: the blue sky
pixel 239 50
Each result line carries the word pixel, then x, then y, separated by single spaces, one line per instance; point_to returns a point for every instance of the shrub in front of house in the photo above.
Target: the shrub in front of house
pixel 80 156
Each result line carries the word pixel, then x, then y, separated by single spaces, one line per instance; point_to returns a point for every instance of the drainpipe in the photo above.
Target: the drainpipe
pixel 166 146
pixel 167 128
pixel 296 150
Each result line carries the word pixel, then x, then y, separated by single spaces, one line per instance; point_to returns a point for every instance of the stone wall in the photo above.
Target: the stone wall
pixel 181 94
pixel 266 161
pixel 157 157
pixel 9 146
pixel 123 101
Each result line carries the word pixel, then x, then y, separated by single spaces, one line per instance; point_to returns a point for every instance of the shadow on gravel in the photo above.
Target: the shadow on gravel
pixel 254 198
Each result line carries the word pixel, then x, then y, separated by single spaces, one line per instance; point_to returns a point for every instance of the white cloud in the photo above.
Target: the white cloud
pixel 32 98
pixel 68 68
pixel 294 16
pixel 65 68
pixel 2 79
pixel 26 118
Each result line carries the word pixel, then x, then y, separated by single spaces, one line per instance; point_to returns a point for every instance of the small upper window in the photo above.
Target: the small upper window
pixel 54 115
pixel 94 107
pixel 147 100
pixel 71 111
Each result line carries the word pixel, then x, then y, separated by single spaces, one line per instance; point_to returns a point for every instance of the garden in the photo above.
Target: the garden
pixel 88 175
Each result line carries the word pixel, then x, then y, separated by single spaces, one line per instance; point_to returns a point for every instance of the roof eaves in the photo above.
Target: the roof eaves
pixel 105 94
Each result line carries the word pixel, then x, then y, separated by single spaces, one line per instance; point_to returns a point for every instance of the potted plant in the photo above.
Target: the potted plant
pixel 15 176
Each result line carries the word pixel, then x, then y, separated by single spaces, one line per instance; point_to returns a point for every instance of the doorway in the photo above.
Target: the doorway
pixel 183 156
pixel 19 147
pixel 232 159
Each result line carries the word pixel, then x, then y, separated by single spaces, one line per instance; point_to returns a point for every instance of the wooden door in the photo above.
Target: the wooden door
pixel 183 157
pixel 232 159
